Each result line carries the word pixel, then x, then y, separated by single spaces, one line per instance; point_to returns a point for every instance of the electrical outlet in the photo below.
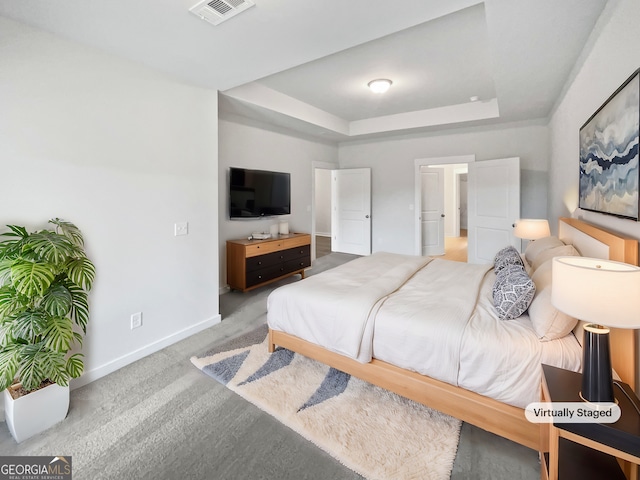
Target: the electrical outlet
pixel 181 228
pixel 136 320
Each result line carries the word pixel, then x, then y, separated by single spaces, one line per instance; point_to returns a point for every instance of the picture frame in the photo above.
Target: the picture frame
pixel 609 173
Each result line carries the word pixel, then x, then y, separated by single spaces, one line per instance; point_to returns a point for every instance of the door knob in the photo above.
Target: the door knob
pixel 442 215
pixel 366 216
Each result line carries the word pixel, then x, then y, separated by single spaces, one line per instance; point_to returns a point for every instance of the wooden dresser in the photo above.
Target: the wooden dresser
pixel 253 263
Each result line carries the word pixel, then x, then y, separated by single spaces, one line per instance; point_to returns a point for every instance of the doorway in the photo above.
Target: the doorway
pixel 441 213
pixel 341 210
pixel 456 246
pixel 321 209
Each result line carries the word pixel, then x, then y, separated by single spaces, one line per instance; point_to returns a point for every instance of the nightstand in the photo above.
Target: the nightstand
pixel 589 450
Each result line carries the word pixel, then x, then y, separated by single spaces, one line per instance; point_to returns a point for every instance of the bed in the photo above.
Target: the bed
pixel 466 363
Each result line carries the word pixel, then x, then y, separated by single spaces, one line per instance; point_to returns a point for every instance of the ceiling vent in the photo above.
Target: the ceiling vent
pixel 217 11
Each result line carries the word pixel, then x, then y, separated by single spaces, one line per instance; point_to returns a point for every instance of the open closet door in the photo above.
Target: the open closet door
pixel 432 210
pixel 493 206
pixel 351 211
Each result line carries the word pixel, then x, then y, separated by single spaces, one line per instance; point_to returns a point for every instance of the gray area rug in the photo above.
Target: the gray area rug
pixel 376 433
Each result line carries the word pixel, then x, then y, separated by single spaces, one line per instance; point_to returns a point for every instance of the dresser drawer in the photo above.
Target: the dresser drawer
pixel 297 252
pixel 297 264
pixel 264 261
pixel 264 248
pixel 297 241
pixel 276 258
pixel 265 274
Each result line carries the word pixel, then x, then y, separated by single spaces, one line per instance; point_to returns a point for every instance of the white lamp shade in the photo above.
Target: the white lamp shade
pixel 532 228
pixel 598 291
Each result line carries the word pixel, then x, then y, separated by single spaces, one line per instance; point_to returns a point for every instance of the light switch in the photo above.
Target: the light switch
pixel 181 228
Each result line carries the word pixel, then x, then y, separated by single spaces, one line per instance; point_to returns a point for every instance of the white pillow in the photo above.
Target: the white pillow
pixel 536 246
pixel 545 255
pixel 548 322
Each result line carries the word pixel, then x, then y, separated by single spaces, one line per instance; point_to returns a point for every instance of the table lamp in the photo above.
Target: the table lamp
pixel 531 228
pixel 605 294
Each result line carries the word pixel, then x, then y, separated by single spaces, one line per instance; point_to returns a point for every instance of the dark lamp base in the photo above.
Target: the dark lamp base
pixel 597 380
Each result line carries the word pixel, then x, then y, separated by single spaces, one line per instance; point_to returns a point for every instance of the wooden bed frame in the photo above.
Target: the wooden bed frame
pixel 484 412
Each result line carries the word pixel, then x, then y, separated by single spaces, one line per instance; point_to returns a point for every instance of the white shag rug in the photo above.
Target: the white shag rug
pixel 372 431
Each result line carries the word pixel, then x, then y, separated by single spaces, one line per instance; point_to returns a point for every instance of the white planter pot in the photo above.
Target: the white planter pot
pixel 34 413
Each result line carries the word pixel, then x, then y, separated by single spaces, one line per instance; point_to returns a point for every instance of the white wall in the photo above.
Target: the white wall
pixel 248 143
pixel 323 202
pixel 611 55
pixel 123 152
pixel 392 171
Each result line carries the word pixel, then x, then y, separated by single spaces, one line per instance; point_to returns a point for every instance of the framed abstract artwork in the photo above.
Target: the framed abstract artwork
pixel 609 173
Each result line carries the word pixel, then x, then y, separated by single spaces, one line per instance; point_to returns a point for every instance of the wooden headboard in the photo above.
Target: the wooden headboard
pixel 593 241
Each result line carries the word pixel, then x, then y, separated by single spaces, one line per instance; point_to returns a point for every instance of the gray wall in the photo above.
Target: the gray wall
pixel 392 171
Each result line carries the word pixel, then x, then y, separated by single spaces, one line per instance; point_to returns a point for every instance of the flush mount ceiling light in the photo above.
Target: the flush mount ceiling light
pixel 379 85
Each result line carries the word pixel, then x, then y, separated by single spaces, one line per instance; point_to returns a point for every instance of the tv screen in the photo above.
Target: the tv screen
pixel 258 193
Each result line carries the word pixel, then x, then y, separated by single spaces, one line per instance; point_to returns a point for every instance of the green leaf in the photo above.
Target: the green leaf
pixel 58 300
pixel 6 339
pixel 54 367
pixel 10 302
pixel 81 272
pixel 9 362
pixel 75 365
pixel 12 247
pixel 32 366
pixel 58 335
pixel 16 231
pixel 80 308
pixel 31 278
pixel 28 325
pixel 69 230
pixel 5 271
pixel 52 247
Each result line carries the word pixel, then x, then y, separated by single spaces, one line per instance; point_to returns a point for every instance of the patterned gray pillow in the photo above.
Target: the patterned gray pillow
pixel 512 292
pixel 507 256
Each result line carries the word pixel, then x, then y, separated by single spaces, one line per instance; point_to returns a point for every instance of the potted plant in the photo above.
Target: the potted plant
pixel 45 277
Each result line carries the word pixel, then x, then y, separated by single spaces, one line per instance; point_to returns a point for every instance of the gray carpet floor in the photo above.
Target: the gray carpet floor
pixel 161 418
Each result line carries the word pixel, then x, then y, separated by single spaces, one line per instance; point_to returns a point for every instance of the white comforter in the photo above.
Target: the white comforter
pixel 336 309
pixel 427 315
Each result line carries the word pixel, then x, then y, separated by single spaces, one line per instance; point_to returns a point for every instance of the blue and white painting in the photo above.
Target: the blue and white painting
pixel 609 154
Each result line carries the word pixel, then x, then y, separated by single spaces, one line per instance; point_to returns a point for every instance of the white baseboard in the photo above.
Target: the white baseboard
pixel 223 290
pixel 322 234
pixel 125 360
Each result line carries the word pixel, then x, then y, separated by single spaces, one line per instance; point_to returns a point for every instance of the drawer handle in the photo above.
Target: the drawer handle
pixel 281 256
pixel 259 276
pixel 281 269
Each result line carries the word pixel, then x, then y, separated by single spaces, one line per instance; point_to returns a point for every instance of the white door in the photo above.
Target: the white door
pixel 432 210
pixel 351 212
pixel 493 206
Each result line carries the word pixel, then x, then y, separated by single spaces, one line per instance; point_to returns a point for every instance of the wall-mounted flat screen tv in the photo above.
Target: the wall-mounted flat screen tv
pixel 258 193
